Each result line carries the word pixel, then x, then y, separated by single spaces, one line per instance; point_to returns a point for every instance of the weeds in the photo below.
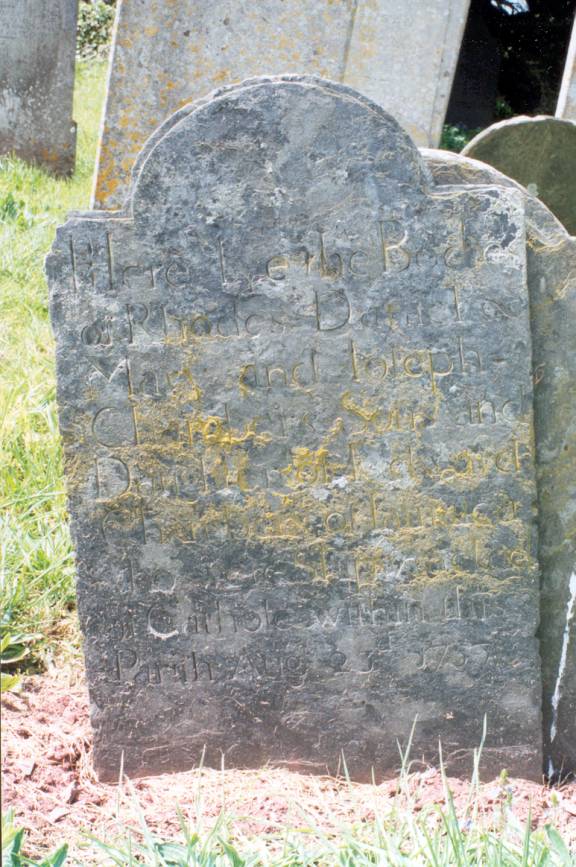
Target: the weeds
pixel 95 20
pixel 454 138
pixel 399 837
pixel 12 842
pixel 404 832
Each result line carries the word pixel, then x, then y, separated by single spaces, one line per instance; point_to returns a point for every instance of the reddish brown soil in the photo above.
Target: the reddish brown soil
pixel 49 781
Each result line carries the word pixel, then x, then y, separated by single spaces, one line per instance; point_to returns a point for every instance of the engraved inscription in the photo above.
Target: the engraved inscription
pixel 298 433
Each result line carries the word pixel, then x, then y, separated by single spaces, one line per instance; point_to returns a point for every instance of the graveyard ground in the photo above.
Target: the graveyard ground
pixel 47 775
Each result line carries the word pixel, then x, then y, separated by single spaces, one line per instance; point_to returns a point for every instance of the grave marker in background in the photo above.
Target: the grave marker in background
pixel 539 153
pixel 298 438
pixel 566 107
pixel 405 62
pixel 551 262
pixel 402 61
pixel 37 50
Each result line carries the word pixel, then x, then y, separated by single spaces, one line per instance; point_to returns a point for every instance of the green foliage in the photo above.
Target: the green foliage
pixel 454 138
pixel 559 848
pixel 13 211
pixel 502 110
pixel 12 841
pixel 95 20
pixel 13 651
pixel 36 566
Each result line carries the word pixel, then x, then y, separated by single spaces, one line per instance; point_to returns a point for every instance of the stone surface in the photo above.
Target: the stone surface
pixel 37 49
pixel 405 61
pixel 539 153
pixel 566 107
pixel 551 262
pixel 402 61
pixel 298 439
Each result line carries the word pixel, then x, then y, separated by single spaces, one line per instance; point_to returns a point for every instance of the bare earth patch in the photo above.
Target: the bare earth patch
pixel 49 781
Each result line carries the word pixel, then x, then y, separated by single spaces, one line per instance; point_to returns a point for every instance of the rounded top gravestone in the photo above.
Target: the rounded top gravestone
pixel 539 153
pixel 295 397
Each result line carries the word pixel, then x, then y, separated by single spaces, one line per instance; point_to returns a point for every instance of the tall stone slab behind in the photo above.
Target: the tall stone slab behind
pixel 168 54
pixel 37 50
pixel 551 262
pixel 297 533
pixel 539 153
pixel 566 107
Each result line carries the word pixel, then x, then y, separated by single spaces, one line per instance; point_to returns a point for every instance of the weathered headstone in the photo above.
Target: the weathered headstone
pixel 551 262
pixel 166 55
pixel 539 153
pixel 37 50
pixel 299 447
pixel 566 107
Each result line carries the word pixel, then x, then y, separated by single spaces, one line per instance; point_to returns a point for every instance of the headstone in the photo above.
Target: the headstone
pixel 539 153
pixel 566 107
pixel 298 442
pixel 37 50
pixel 551 261
pixel 405 62
pixel 185 49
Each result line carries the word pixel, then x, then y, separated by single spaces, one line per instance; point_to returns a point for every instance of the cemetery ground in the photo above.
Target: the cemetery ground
pixel 211 817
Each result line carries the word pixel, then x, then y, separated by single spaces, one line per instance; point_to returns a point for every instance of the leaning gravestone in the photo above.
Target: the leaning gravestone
pixel 37 50
pixel 551 262
pixel 185 49
pixel 566 107
pixel 539 153
pixel 299 448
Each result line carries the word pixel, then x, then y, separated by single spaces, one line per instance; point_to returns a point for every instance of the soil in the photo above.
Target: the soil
pixel 49 781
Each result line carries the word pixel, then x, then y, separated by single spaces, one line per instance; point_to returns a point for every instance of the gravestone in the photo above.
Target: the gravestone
pixel 566 107
pixel 551 261
pixel 299 448
pixel 539 153
pixel 185 49
pixel 37 49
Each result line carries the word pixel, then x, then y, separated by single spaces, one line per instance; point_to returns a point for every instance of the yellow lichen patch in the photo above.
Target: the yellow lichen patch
pixel 308 466
pixel 214 432
pixel 366 411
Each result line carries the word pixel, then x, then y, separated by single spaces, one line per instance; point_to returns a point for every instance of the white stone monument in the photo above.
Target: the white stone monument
pixel 566 107
pixel 401 55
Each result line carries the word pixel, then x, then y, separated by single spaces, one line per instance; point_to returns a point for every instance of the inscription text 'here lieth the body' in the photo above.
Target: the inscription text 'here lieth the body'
pixel 296 402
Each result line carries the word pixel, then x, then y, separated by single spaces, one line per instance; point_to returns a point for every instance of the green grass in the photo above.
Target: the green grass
pixel 455 138
pixel 36 567
pixel 399 835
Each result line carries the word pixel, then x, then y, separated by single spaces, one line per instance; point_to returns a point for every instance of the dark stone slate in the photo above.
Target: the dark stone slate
pixel 296 402
pixel 551 262
pixel 539 153
pixel 37 50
